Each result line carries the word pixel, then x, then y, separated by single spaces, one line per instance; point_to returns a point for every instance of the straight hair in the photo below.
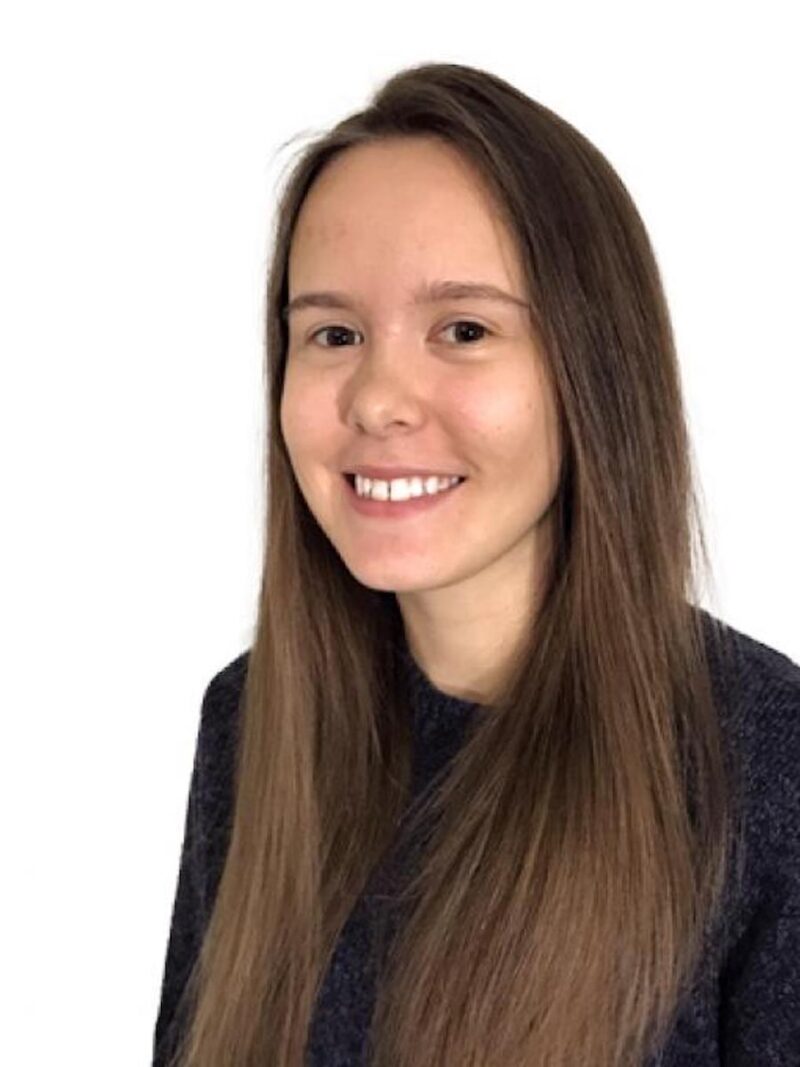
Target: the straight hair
pixel 570 864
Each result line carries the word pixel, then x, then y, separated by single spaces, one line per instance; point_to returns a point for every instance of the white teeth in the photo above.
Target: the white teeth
pixel 402 488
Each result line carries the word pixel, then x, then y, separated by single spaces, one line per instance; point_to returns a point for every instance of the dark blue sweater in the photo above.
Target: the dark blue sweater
pixel 744 1010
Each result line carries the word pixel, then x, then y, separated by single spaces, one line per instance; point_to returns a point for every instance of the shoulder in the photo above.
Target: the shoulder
pixel 218 726
pixel 759 691
pixel 759 947
pixel 228 682
pixel 223 693
pixel 760 718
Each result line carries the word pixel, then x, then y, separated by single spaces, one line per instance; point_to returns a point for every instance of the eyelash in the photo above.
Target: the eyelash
pixel 456 322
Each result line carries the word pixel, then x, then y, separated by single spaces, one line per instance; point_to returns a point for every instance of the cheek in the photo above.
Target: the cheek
pixel 289 407
pixel 510 427
pixel 297 424
pixel 499 418
pixel 287 425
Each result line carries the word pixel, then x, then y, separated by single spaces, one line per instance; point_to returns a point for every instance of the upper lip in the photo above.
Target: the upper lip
pixel 388 473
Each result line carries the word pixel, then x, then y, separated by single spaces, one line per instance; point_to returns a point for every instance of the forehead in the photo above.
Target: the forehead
pixel 402 208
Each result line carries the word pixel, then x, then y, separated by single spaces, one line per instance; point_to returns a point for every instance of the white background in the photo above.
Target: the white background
pixel 141 150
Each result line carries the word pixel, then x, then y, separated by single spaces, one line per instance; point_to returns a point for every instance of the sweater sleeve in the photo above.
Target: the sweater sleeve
pixel 206 835
pixel 760 980
pixel 760 986
pixel 186 925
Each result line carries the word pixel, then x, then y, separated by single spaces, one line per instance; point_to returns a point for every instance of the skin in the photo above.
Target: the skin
pixel 401 385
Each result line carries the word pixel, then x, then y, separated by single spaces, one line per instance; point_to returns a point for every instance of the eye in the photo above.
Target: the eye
pixel 470 327
pixel 338 329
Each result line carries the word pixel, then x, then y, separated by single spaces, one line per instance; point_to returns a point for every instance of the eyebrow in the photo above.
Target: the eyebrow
pixel 427 293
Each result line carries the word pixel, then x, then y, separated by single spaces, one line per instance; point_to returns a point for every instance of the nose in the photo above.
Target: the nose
pixel 384 389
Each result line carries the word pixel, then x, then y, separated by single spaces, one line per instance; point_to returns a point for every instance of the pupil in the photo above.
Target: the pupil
pixel 469 326
pixel 336 331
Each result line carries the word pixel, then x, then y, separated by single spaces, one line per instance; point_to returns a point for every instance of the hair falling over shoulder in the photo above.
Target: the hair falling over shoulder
pixel 581 838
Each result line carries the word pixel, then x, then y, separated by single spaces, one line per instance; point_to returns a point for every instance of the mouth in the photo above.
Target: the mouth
pixel 414 505
pixel 351 480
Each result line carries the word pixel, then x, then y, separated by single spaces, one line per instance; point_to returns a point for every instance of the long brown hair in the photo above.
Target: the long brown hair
pixel 580 841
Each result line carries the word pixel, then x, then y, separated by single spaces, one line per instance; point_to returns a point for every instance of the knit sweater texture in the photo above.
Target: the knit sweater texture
pixel 744 1007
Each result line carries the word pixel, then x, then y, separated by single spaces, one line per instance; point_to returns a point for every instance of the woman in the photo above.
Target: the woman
pixel 488 788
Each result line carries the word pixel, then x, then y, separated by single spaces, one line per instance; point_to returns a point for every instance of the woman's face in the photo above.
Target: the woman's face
pixel 451 385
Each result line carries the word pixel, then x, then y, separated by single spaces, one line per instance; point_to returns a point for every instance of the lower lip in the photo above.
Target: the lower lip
pixel 385 509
